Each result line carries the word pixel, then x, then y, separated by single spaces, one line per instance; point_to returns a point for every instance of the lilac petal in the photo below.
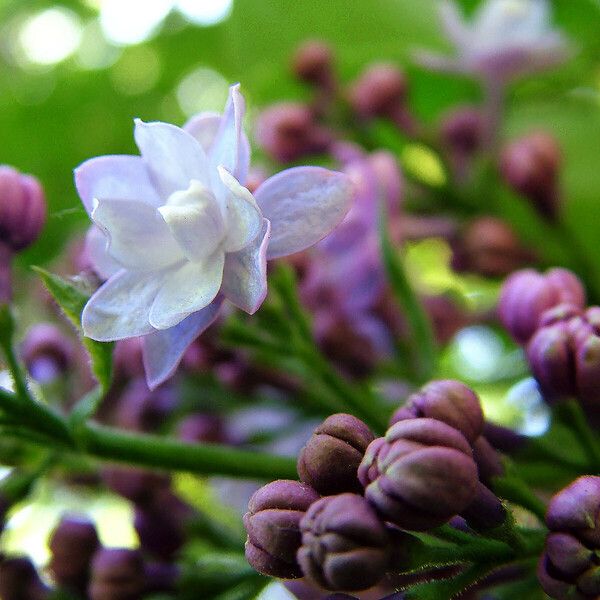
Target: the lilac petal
pixel 204 127
pixel 172 156
pixel 119 309
pixel 138 236
pixel 95 246
pixel 244 220
pixel 162 350
pixel 303 204
pixel 245 273
pixel 118 176
pixel 189 289
pixel 453 22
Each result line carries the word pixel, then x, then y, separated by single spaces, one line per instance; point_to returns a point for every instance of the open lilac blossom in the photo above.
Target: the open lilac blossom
pixel 506 39
pixel 176 232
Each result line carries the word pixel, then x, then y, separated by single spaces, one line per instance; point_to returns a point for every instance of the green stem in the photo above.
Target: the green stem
pixel 518 492
pixel 572 415
pixel 7 330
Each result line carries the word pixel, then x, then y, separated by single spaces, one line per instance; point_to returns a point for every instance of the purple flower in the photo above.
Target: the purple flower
pixel 178 233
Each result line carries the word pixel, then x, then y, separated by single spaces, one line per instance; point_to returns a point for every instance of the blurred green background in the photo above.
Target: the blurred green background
pixel 74 74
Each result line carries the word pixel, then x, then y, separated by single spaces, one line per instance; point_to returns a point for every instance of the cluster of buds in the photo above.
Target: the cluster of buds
pixel 568 568
pixel 343 527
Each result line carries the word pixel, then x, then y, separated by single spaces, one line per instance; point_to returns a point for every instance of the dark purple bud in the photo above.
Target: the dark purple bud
pixel 160 577
pixel 20 581
pixel 462 130
pixel 489 462
pixel 526 295
pixel 127 359
pixel 389 178
pixel 530 166
pixel 202 427
pixel 117 574
pixel 137 485
pixel 486 511
pixel 420 474
pixel 313 63
pixel 502 438
pixel 329 461
pixel 488 247
pixel 47 352
pixel 446 400
pixel 379 91
pixel 345 546
pixel 72 544
pixel 273 526
pixel 288 131
pixel 22 208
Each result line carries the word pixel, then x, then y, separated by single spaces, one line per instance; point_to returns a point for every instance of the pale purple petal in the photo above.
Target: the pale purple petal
pixel 119 309
pixel 138 236
pixel 245 273
pixel 303 204
pixel 244 220
pixel 117 176
pixel 172 156
pixel 204 127
pixel 163 350
pixel 95 246
pixel 190 288
pixel 453 22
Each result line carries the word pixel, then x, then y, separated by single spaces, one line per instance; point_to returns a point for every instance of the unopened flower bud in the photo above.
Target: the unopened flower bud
pixel 22 208
pixel 273 526
pixel 446 400
pixel 117 574
pixel 136 485
pixel 47 352
pixel 287 131
pixel 530 166
pixel 488 247
pixel 488 460
pixel 202 427
pixel 526 295
pixel 503 438
pixel 345 545
pixel 72 545
pixel 420 474
pixel 19 580
pixel 486 511
pixel 313 63
pixel 329 461
pixel 462 130
pixel 569 567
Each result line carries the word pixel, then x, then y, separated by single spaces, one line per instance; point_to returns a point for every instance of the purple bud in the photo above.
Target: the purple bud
pixel 446 400
pixel 489 462
pixel 462 130
pixel 313 63
pixel 526 295
pixel 137 485
pixel 530 166
pixel 488 247
pixel 117 574
pixel 502 438
pixel 47 352
pixel 160 577
pixel 202 427
pixel 22 208
pixel 345 546
pixel 127 359
pixel 330 459
pixel 420 475
pixel 20 581
pixel 72 544
pixel 569 567
pixel 486 511
pixel 273 526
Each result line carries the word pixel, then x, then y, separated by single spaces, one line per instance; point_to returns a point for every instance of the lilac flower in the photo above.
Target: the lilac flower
pixel 177 233
pixel 506 39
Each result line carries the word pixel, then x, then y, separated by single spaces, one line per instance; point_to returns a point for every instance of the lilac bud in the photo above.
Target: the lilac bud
pixel 379 91
pixel 530 166
pixel 503 438
pixel 127 359
pixel 330 459
pixel 446 400
pixel 486 511
pixel 345 546
pixel 72 544
pixel 489 462
pixel 20 581
pixel 462 130
pixel 137 485
pixel 569 568
pixel 526 295
pixel 488 247
pixel 202 427
pixel 160 577
pixel 273 526
pixel 117 574
pixel 313 63
pixel 420 474
pixel 47 352
pixel 22 208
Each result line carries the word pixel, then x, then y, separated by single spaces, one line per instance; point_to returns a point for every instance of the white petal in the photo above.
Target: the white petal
pixel 303 204
pixel 172 156
pixel 245 273
pixel 244 220
pixel 119 176
pixel 162 350
pixel 204 127
pixel 138 236
pixel 195 221
pixel 187 290
pixel 453 23
pixel 120 308
pixel 103 263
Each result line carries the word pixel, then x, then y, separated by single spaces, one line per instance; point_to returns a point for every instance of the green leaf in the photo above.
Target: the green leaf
pixel 72 301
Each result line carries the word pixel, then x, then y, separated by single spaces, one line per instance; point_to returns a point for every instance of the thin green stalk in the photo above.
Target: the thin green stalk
pixel 518 492
pixel 7 330
pixel 572 415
